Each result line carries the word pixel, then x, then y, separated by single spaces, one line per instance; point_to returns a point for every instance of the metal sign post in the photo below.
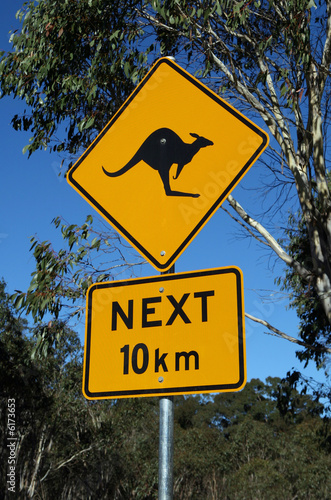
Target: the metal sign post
pixel 166 441
pixel 166 447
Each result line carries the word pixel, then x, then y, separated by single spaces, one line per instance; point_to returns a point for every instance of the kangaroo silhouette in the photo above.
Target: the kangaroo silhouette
pixel 161 150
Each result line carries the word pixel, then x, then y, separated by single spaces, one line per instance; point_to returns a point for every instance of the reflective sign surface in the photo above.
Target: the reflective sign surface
pixel 170 334
pixel 166 161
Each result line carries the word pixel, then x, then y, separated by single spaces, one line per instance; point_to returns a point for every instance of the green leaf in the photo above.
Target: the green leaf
pixel 311 4
pixel 18 303
pixel 89 122
pixel 219 8
pixel 95 242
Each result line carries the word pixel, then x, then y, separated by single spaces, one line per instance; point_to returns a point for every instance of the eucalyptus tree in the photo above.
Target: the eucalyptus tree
pixel 74 63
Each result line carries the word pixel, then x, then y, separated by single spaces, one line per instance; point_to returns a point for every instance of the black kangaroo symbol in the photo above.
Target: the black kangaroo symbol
pixel 160 151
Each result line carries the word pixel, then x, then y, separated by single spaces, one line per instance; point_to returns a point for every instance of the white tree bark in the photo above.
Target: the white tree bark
pixel 299 137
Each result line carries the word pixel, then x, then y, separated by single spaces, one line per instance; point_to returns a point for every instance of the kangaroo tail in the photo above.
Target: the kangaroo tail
pixel 124 169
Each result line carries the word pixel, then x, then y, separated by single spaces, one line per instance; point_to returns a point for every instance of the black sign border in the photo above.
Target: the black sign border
pixel 170 390
pixel 158 265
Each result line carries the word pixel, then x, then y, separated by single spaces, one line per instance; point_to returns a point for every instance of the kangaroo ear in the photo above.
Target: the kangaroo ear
pixel 195 135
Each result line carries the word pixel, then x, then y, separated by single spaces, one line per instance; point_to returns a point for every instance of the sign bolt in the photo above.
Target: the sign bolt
pixel 161 289
pixel 160 379
pixel 163 253
pixel 163 140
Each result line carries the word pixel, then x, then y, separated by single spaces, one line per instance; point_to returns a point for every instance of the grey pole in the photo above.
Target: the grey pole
pixel 166 447
pixel 166 442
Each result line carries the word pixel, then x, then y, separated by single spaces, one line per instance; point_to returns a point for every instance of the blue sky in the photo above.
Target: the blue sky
pixel 32 194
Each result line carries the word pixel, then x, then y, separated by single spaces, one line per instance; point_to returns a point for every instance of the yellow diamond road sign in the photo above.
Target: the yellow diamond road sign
pixel 164 335
pixel 166 161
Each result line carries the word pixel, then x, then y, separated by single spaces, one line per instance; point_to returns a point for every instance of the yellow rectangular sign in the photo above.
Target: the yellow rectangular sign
pixel 164 335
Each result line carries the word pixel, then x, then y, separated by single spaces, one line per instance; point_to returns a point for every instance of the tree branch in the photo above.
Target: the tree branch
pixel 61 464
pixel 279 117
pixel 283 335
pixel 302 271
pixel 249 97
pixel 244 226
pixel 326 58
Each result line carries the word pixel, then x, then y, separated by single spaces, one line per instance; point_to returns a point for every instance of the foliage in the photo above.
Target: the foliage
pixel 267 441
pixel 245 445
pixel 272 58
pixel 73 65
pixel 61 279
pixel 314 327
